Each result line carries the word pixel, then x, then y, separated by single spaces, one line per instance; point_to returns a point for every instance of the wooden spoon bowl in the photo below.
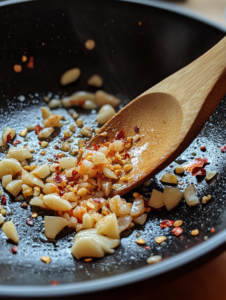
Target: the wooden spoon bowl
pixel 170 115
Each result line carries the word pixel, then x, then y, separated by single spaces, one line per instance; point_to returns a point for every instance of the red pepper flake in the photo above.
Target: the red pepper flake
pixel 212 230
pixel 198 171
pixel 59 178
pixel 39 142
pixel 30 222
pixel 223 149
pixel 14 250
pixel 96 147
pixel 54 282
pixel 203 148
pixel 56 156
pixel 177 231
pixel 96 200
pixel 70 212
pixel 30 64
pixel 58 169
pixel 8 138
pixel 197 162
pixel 146 202
pixel 74 173
pixel 66 138
pixel 136 129
pixel 120 135
pixel 16 142
pixel 62 193
pixel 166 223
pixel 147 248
pixel 126 156
pixel 38 128
pixel 56 147
pixel 3 200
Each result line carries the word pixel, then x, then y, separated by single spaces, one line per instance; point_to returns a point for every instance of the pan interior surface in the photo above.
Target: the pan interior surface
pixel 136 47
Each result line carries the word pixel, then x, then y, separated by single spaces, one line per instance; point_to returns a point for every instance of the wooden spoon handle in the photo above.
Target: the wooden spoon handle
pixel 199 88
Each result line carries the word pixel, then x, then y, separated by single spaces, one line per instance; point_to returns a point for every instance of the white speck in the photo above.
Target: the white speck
pixel 21 98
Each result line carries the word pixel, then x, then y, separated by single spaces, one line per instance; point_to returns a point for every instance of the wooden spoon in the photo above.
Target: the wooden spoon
pixel 170 115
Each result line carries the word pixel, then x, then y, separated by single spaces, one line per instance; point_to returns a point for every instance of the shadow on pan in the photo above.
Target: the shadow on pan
pixel 136 47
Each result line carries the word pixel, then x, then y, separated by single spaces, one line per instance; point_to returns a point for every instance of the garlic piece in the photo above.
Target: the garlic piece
pixel 77 99
pixel 9 166
pixel 45 133
pixel 56 203
pixel 30 179
pixel 6 179
pixel 108 226
pixel 87 221
pixel 124 223
pixel 18 153
pixel 105 114
pixel 70 76
pixel 106 187
pixel 41 171
pixel 45 112
pixel 169 178
pixel 109 174
pixel 190 195
pixel 156 199
pixel 89 105
pixel 53 225
pixel 210 175
pixel 99 158
pixel 2 219
pixel 103 98
pixel 88 243
pixel 86 131
pixel 54 103
pixel 10 231
pixel 141 219
pixel 137 208
pixel 68 162
pixel 52 121
pixel 95 80
pixel 37 201
pixel 8 134
pixel 171 197
pixel 14 187
pixel 23 133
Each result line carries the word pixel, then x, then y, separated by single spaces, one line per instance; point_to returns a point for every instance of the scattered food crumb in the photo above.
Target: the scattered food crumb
pixel 195 232
pixel 178 223
pixel 140 242
pixel 205 199
pixel 90 44
pixel 154 259
pixel 17 68
pixel 203 148
pixel 88 259
pixel 177 231
pixel 45 259
pixel 160 239
pixel 212 230
pixel 30 64
pixel 24 58
pixel 14 250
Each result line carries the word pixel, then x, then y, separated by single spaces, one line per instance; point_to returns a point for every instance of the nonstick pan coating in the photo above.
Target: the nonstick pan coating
pixel 131 58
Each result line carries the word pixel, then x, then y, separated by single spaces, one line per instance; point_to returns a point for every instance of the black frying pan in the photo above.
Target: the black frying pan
pixel 130 58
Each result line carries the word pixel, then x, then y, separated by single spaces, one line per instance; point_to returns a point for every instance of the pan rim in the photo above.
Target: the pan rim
pixel 143 273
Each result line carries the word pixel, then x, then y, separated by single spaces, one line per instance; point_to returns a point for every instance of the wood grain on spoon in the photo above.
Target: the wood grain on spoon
pixel 170 115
